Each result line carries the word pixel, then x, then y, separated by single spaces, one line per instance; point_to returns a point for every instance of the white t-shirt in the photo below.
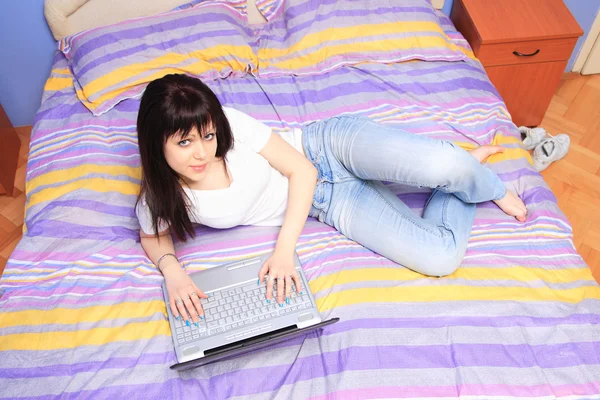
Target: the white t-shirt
pixel 258 193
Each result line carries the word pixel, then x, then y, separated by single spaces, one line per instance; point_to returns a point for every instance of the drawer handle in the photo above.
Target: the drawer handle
pixel 516 53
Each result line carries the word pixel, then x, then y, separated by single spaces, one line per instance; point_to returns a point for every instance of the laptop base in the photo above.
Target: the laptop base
pixel 246 345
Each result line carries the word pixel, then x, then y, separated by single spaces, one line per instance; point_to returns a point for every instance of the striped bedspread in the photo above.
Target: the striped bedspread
pixel 82 314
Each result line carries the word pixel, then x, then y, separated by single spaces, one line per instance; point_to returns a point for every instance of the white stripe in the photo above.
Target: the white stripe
pixel 122 129
pixel 517 241
pixel 77 157
pixel 522 256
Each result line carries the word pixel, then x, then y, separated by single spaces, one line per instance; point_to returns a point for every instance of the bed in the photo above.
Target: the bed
pixel 82 309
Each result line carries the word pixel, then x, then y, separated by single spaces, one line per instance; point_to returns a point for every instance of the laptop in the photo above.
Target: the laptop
pixel 237 317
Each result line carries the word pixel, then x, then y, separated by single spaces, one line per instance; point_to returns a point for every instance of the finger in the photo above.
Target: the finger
pixel 297 281
pixel 270 283
pixel 280 289
pixel 174 309
pixel 200 293
pixel 190 308
pixel 288 288
pixel 182 311
pixel 261 274
pixel 196 302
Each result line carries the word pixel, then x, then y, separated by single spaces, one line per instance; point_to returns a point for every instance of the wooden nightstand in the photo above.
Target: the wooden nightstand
pixel 524 46
pixel 9 154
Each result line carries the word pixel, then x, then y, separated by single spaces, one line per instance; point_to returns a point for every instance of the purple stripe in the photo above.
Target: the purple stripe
pixel 81 151
pixel 109 125
pixel 284 33
pixel 162 46
pixel 348 59
pixel 68 111
pixel 337 91
pixel 454 355
pixel 113 252
pixel 66 230
pixel 63 288
pixel 367 70
pixel 538 195
pixel 91 205
pixel 197 18
pixel 547 248
pixel 293 11
pixel 520 173
pixel 62 111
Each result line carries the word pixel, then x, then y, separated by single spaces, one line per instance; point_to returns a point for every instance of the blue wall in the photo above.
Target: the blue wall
pixel 27 47
pixel 584 11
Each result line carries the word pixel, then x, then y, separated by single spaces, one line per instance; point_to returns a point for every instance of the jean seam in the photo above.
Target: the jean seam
pixel 401 215
pixel 445 213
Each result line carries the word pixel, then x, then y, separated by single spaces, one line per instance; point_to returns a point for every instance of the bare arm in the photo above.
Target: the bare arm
pixel 302 177
pixel 179 284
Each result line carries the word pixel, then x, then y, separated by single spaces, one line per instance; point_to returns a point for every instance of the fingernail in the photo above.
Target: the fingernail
pixel 177 317
pixel 187 323
pixel 280 304
pixel 195 323
pixel 258 282
pixel 287 300
pixel 202 317
pixel 301 292
pixel 268 301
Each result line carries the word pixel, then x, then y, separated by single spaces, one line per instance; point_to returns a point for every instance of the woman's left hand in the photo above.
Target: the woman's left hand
pixel 281 270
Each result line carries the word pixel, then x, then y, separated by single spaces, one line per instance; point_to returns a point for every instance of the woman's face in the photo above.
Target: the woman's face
pixel 193 156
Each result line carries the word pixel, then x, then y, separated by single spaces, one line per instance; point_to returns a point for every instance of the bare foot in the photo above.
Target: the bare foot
pixel 483 152
pixel 513 205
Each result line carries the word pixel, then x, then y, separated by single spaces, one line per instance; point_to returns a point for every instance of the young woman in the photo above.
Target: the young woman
pixel 203 163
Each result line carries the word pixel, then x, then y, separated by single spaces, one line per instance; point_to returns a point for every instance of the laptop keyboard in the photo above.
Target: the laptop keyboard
pixel 237 307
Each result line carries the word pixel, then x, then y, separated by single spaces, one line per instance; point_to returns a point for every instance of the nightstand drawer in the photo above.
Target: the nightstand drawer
pixel 539 50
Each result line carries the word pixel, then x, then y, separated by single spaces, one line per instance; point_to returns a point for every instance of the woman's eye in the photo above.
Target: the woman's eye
pixel 184 142
pixel 209 136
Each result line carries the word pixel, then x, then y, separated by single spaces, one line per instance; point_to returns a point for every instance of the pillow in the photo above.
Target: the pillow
pixel 268 8
pixel 314 36
pixel 116 62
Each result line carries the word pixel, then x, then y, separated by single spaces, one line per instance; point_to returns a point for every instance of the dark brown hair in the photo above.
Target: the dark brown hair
pixel 173 105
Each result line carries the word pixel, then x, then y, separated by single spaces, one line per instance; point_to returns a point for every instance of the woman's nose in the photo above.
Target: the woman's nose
pixel 199 152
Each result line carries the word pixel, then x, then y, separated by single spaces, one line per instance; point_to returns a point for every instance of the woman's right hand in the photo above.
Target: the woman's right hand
pixel 184 295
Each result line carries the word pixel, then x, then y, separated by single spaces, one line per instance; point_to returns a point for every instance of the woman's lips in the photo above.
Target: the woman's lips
pixel 198 168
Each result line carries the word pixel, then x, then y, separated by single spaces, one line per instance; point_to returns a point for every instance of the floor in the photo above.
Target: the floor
pixel 575 180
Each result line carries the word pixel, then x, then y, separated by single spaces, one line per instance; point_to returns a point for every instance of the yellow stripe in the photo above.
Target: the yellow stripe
pixel 510 153
pixel 95 337
pixel 55 84
pixel 317 39
pixel 316 56
pixel 62 71
pixel 101 185
pixel 454 293
pixel 205 63
pixel 520 274
pixel 81 171
pixel 67 316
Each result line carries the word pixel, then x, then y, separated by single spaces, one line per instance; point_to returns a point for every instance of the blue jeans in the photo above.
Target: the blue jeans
pixel 353 155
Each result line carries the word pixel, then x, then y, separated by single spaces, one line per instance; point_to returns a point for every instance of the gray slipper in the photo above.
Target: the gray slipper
pixel 531 137
pixel 552 149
